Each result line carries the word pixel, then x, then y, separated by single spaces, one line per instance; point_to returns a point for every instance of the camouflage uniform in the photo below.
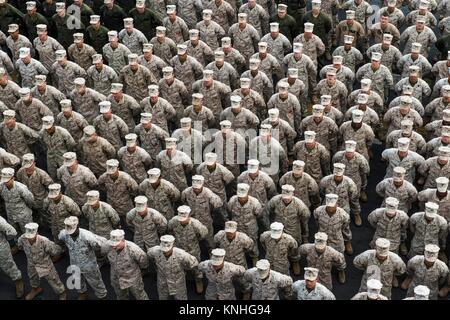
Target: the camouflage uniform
pixel 81 56
pixel 187 72
pixel 175 168
pixel 320 292
pixel 31 114
pixel 230 150
pixel 155 65
pixel 223 14
pixel 15 45
pixel 357 168
pixel 246 40
pixel 119 192
pixel 102 220
pixel 101 81
pixel 9 93
pixel 387 269
pixel 96 154
pixel 125 109
pixel 257 16
pixel 343 74
pixel 113 130
pixel 236 248
pixel 406 194
pixel 337 91
pixel 165 50
pixel 82 254
pixel 425 232
pixel 307 71
pixel 49 97
pixel 27 72
pixel 8 159
pixel 426 38
pixel 151 140
pixel 126 266
pixel 326 131
pixel 391 228
pixel 7 264
pixel 268 289
pixel 317 160
pixel 162 111
pixel 78 183
pixel 18 203
pixel 260 83
pixel 211 33
pixel 227 74
pixel 146 229
pixel 176 94
pixel 163 197
pixel 417 142
pixel 324 261
pixel 46 51
pixel 133 41
pixel 351 58
pixel 381 78
pixel 411 163
pixel 421 88
pixel 389 58
pixel 278 251
pixel 18 140
pixel 64 76
pixel 290 109
pixel 201 52
pixel 136 82
pixel 430 195
pixel 281 45
pixel 116 58
pixel 217 179
pixel 336 226
pixel 178 30
pixel 171 272
pixel 363 136
pixel 75 124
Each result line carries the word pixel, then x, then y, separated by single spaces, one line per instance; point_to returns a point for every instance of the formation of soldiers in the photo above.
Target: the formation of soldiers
pixel 203 139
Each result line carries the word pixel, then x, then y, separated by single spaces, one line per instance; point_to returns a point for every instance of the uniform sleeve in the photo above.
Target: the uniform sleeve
pixel 113 216
pixel 6 228
pixel 338 260
pixel 188 261
pixel 361 261
pixel 140 257
pixel 27 196
pixel 52 248
pixel 200 230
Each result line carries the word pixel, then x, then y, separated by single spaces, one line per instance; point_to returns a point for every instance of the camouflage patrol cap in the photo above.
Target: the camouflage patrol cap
pixel 116 87
pixel 245 83
pixel 54 190
pixel 331 199
pixel 338 59
pixel 13 28
pixel 350 14
pixel 338 169
pixel 78 37
pixel 308 26
pixel 116 237
pixel 128 22
pixel 207 14
pixel 171 9
pixel 146 117
pixel 363 98
pixel 350 146
pixel 230 226
pixel 31 230
pixel 40 79
pixel 60 6
pixel 311 274
pixel 6 174
pixel 382 247
pixel 9 114
pixel 226 42
pixel 274 27
pixel 147 47
pixel 41 28
pixel 24 52
pixel 282 7
pixel 387 37
pixel 376 56
pixel 421 292
pixel 94 19
pixel 60 54
pixel 348 39
pixel 242 189
pixel 31 5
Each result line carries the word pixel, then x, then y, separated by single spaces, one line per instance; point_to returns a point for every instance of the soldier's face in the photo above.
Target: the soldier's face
pixel 219 62
pixel 308 35
pixel 331 79
pixel 281 14
pixel 230 235
pixel 26 60
pixel 15 34
pixel 251 3
pixel 398 182
pixel 375 64
pixel 42 35
pixel 310 284
pixel 384 21
pixel 172 16
pixel 10 123
pixel 129 28
pixel 445 139
pixel 31 11
pixel 420 26
pixel 107 115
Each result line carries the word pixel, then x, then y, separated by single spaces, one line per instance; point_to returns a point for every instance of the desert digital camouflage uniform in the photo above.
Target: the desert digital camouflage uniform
pixel 290 109
pixel 326 131
pixel 164 50
pixel 386 270
pixel 278 251
pixel 343 74
pixel 58 212
pixel 381 78
pixel 155 65
pixel 307 71
pixel 430 195
pixel 31 114
pixel 297 88
pixel 113 130
pixel 202 206
pixel 223 14
pixel 376 31
pixel 271 156
pixel 397 17
pixel 427 232
pixel 135 163
pixel 151 140
pixel 39 262
pixel 119 191
pixel 247 216
pixel 171 272
pixel 82 254
pixel 337 91
pixel 211 33
pixel 236 59
pixel 220 284
pixel 162 111
pixel 75 124
pixel 133 41
pixel 6 62
pixel 421 89
pixel 216 179
pixel 97 38
pixel 37 183
pixel 116 58
pixel 188 237
pixel 285 134
pixel 324 261
pixel 336 226
pixel 269 65
pixel 49 97
pixel 101 80
pixel 317 160
pixel 357 168
pixel 27 72
pixel 187 72
pixel 18 203
pixel 188 11
pixel 416 104
pixel 406 194
pixel 178 30
pixel 46 51
pixel 136 82
pixel 9 93
pixel 236 248
pixel 125 109
pixel 87 104
pixel 64 77
pixel 163 196
pixel 347 191
pixel 230 149
pixel 434 128
pixel 440 69
pixel 96 154
pixel 102 220
pixel 438 88
pixel 431 277
pixel 411 163
pixel 215 97
pixel 426 38
pixel 78 183
pixel 146 228
pixel 245 40
pixel 81 56
pixel 355 29
pixel 435 108
pixel 262 187
pixel 226 74
pixel 269 288
pixel 306 188
pixel 126 266
pixel 242 121
pixel 391 228
pixel 55 145
pixel 313 47
pixel 176 94
pixel 370 116
pixel 8 159
pixel 389 58
pixel 406 61
pixel 363 136
pixel 175 168
pixel 19 139
pixel 417 142
pixel 430 19
pixel 320 292
pixel 7 264
pixel 279 46
pixel 201 52
pixel 430 169
pixel 260 83
pixel 15 45
pixel 204 116
pixel 351 58
pixel 258 17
